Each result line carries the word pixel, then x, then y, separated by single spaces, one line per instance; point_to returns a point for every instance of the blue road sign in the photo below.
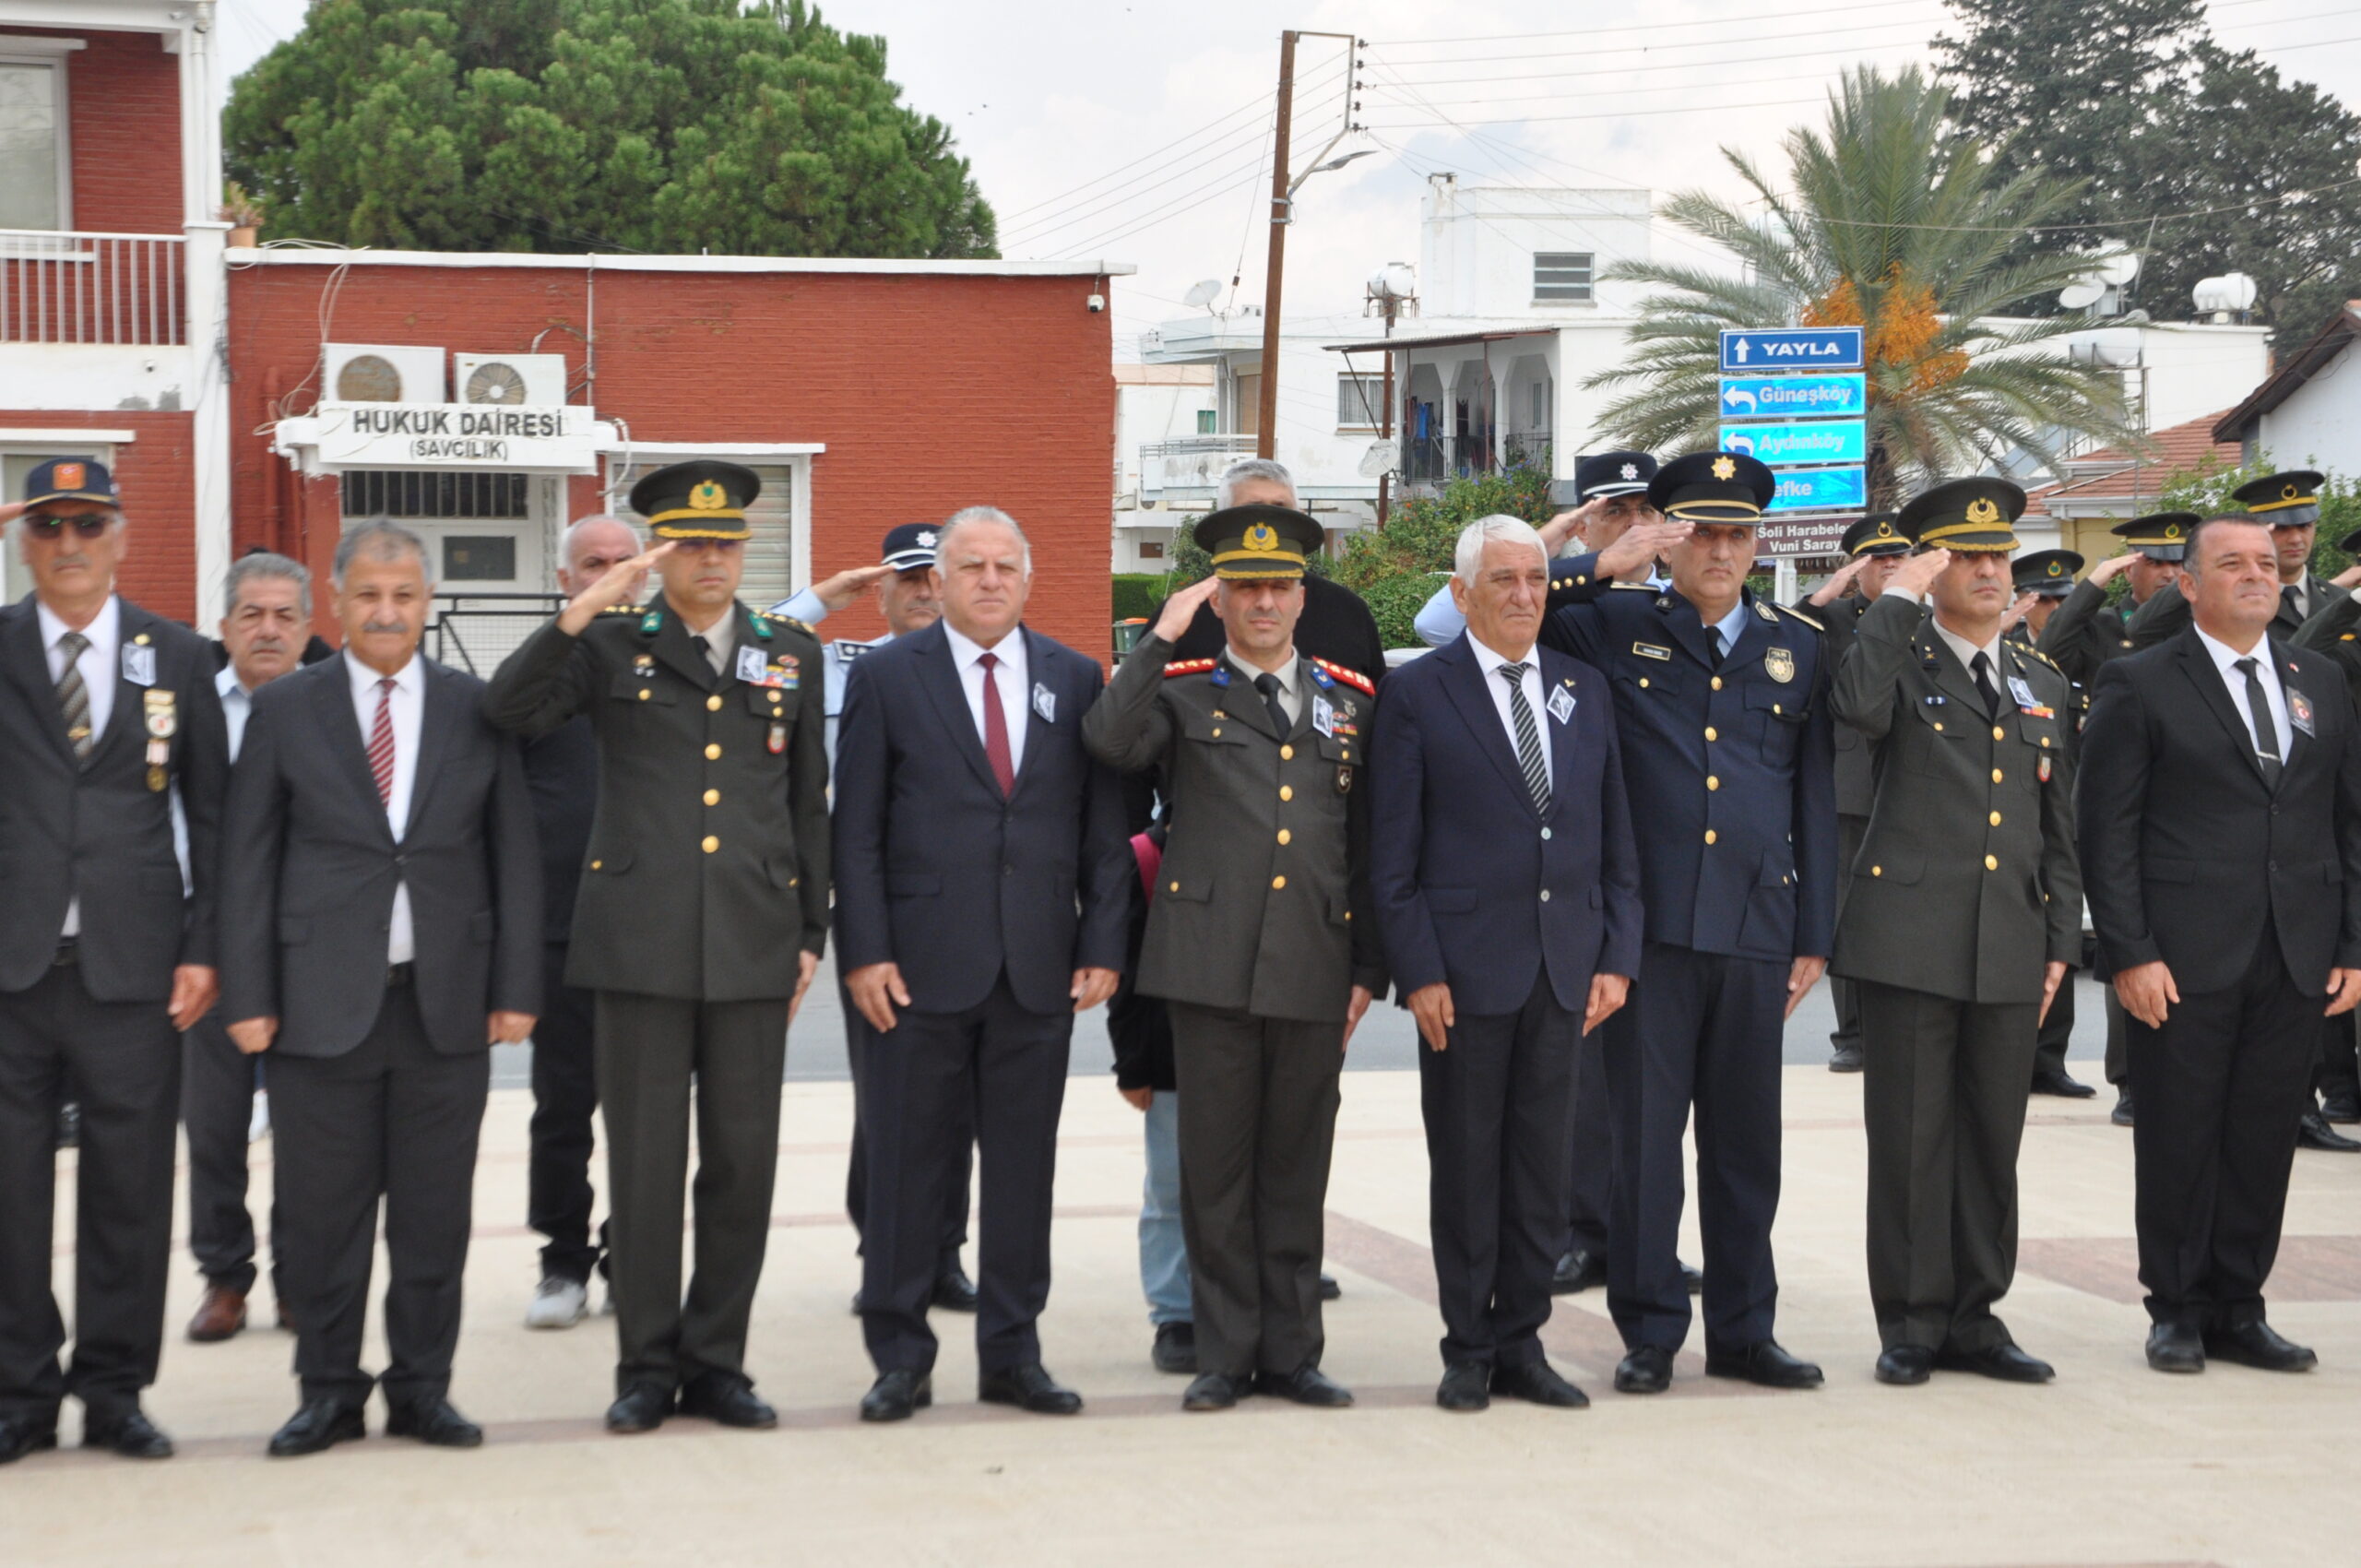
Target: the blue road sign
pixel 1798 441
pixel 1801 348
pixel 1821 490
pixel 1795 396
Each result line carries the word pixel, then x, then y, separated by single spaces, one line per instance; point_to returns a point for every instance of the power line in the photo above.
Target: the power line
pixel 1812 12
pixel 1620 71
pixel 1715 44
pixel 1099 206
pixel 1612 114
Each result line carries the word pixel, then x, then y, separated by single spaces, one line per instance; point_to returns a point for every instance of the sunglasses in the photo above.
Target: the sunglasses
pixel 86 524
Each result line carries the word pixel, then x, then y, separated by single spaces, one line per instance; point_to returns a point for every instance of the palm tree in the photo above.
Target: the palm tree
pixel 1885 222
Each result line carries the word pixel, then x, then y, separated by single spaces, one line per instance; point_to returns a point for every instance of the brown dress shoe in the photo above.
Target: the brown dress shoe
pixel 218 1316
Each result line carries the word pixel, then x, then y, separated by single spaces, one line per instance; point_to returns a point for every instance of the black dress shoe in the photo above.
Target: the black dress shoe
pixel 2176 1347
pixel 1764 1363
pixel 640 1407
pixel 130 1435
pixel 727 1400
pixel 895 1395
pixel 319 1426
pixel 1577 1271
pixel 1213 1391
pixel 1176 1348
pixel 954 1291
pixel 2314 1132
pixel 18 1438
pixel 1691 1280
pixel 2121 1114
pixel 1028 1387
pixel 1906 1366
pixel 433 1421
pixel 1646 1370
pixel 2064 1085
pixel 2341 1105
pixel 2259 1345
pixel 1465 1387
pixel 1305 1385
pixel 1329 1289
pixel 1844 1058
pixel 2003 1362
pixel 1536 1382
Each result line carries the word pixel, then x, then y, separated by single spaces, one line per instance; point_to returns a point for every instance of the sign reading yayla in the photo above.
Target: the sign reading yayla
pixel 1796 348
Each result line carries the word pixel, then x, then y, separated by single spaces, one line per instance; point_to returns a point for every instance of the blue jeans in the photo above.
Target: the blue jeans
pixel 1164 1256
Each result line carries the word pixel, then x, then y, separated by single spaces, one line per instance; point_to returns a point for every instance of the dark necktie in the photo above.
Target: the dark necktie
pixel 1982 667
pixel 2266 733
pixel 1528 737
pixel 1713 641
pixel 2289 604
pixel 1269 686
pixel 704 651
pixel 73 696
pixel 996 728
pixel 381 743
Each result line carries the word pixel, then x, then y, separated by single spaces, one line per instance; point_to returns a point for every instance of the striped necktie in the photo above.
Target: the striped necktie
pixel 381 743
pixel 74 696
pixel 1528 737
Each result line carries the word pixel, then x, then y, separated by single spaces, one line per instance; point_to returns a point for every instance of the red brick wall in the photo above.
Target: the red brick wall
pixel 122 101
pixel 156 475
pixel 930 393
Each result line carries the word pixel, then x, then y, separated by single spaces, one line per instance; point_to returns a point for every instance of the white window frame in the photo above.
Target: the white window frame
pixel 794 455
pixel 1372 406
pixel 1589 286
pixel 53 52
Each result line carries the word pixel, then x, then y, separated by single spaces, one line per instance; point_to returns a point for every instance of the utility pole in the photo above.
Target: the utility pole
pixel 1283 189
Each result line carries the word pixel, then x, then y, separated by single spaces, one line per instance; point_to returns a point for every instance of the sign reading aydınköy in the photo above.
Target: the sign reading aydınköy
pixel 412 435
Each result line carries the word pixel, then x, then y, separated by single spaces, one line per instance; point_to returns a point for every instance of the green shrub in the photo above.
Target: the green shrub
pixel 1138 594
pixel 1396 601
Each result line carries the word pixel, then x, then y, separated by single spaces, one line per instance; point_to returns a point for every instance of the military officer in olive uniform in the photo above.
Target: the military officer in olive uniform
pixel 2044 581
pixel 1260 937
pixel 2043 578
pixel 702 914
pixel 1962 921
pixel 1872 547
pixel 2290 504
pixel 2333 631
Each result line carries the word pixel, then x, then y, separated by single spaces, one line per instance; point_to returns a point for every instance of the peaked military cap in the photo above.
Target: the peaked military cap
pixel 910 546
pixel 70 479
pixel 1877 534
pixel 2351 543
pixel 704 498
pixel 1971 514
pixel 1258 541
pixel 1713 487
pixel 2284 500
pixel 2046 572
pixel 2160 536
pixel 1613 473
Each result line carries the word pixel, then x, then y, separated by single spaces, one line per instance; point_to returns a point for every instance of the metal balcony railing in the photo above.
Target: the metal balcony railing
pixel 66 287
pixel 475 631
pixel 1191 464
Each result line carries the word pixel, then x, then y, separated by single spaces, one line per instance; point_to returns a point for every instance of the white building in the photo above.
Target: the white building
pixel 2308 414
pixel 1159 410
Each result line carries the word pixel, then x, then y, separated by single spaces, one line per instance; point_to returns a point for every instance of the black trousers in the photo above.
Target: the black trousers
pixel 565 1098
pixel 1591 1161
pixel 2220 1087
pixel 1258 1125
pixel 392 1122
pixel 858 1035
pixel 1943 1097
pixel 1498 1107
pixel 1700 1028
pixel 124 1059
pixel 2337 1071
pixel 2119 1064
pixel 217 1109
pixel 996 1073
pixel 649 1048
pixel 1850 832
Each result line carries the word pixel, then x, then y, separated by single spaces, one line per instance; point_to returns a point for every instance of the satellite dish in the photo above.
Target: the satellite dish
pixel 1201 294
pixel 2082 293
pixel 2118 268
pixel 1379 460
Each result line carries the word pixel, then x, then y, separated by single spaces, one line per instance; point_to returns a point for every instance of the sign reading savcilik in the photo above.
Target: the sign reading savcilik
pixel 553 439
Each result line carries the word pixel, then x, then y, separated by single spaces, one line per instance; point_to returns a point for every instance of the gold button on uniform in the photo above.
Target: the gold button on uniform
pixel 1216 732
pixel 1996 776
pixel 1999 733
pixel 1287 791
pixel 713 752
pixel 1877 871
pixel 713 797
pixel 1278 882
pixel 713 703
pixel 1709 835
pixel 1939 724
pixel 1644 683
pixel 1991 863
pixel 1717 683
pixel 644 694
pixel 1283 835
pixel 710 844
pixel 1711 782
pixel 597 865
pixel 1176 887
pixel 1710 734
pixel 1995 819
pixel 1286 753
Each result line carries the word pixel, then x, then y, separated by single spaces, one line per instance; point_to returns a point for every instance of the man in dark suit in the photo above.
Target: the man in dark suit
pixel 381 905
pixel 2336 631
pixel 1507 891
pixel 961 779
pixel 1721 703
pixel 106 713
pixel 2289 505
pixel 702 915
pixel 2221 842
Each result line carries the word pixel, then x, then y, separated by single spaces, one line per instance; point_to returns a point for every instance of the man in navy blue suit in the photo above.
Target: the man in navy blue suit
pixel 1721 705
pixel 984 881
pixel 1507 889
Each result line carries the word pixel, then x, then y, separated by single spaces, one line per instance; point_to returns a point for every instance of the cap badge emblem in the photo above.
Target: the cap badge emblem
pixel 1982 511
pixel 927 539
pixel 2172 530
pixel 708 496
pixel 1885 531
pixel 2057 568
pixel 1630 471
pixel 1725 467
pixel 69 476
pixel 1262 537
pixel 2286 491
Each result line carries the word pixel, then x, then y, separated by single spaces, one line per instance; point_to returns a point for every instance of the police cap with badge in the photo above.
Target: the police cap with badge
pixel 1878 534
pixel 1258 541
pixel 910 547
pixel 1969 516
pixel 2160 536
pixel 1713 487
pixel 2284 500
pixel 704 498
pixel 1604 474
pixel 71 479
pixel 2049 573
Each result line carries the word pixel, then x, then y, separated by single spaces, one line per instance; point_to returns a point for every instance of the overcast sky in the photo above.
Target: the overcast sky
pixel 1140 133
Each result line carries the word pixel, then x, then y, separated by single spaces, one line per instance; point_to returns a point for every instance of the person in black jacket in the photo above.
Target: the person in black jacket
pixel 1141 1031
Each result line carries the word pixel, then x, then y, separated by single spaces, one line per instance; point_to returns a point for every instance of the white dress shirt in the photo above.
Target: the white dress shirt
pixel 1492 663
pixel 237 706
pixel 2225 659
pixel 407 709
pixel 1290 688
pixel 1965 652
pixel 720 639
pixel 98 666
pixel 1010 680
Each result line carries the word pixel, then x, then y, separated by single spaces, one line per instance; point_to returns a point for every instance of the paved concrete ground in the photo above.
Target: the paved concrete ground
pixel 2112 1465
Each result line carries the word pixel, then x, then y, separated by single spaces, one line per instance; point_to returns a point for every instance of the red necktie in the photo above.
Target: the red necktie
pixel 381 743
pixel 996 730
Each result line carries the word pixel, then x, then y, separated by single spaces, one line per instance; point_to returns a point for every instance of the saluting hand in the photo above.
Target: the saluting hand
pixel 2111 569
pixel 1917 573
pixel 1842 578
pixel 2348 578
pixel 2016 613
pixel 1642 546
pixel 1182 608
pixel 839 591
pixel 619 584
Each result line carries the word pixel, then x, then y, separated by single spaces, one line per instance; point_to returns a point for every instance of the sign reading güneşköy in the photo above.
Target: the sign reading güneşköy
pixel 1803 441
pixel 1793 348
pixel 1795 396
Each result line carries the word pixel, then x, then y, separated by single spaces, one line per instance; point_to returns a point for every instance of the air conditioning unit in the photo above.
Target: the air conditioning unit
pixel 538 379
pixel 380 372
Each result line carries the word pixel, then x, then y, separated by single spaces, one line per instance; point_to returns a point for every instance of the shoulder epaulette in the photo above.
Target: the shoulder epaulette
pixel 1352 678
pixel 1789 610
pixel 787 621
pixel 1182 667
pixel 1635 588
pixel 621 609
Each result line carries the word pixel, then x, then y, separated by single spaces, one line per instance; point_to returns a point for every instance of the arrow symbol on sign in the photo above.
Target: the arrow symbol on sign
pixel 1737 396
pixel 1741 351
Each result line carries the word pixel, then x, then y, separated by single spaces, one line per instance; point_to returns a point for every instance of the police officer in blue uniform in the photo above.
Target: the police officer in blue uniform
pixel 1722 702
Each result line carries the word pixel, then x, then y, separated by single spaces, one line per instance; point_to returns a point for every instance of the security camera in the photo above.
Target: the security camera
pixel 1096 303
